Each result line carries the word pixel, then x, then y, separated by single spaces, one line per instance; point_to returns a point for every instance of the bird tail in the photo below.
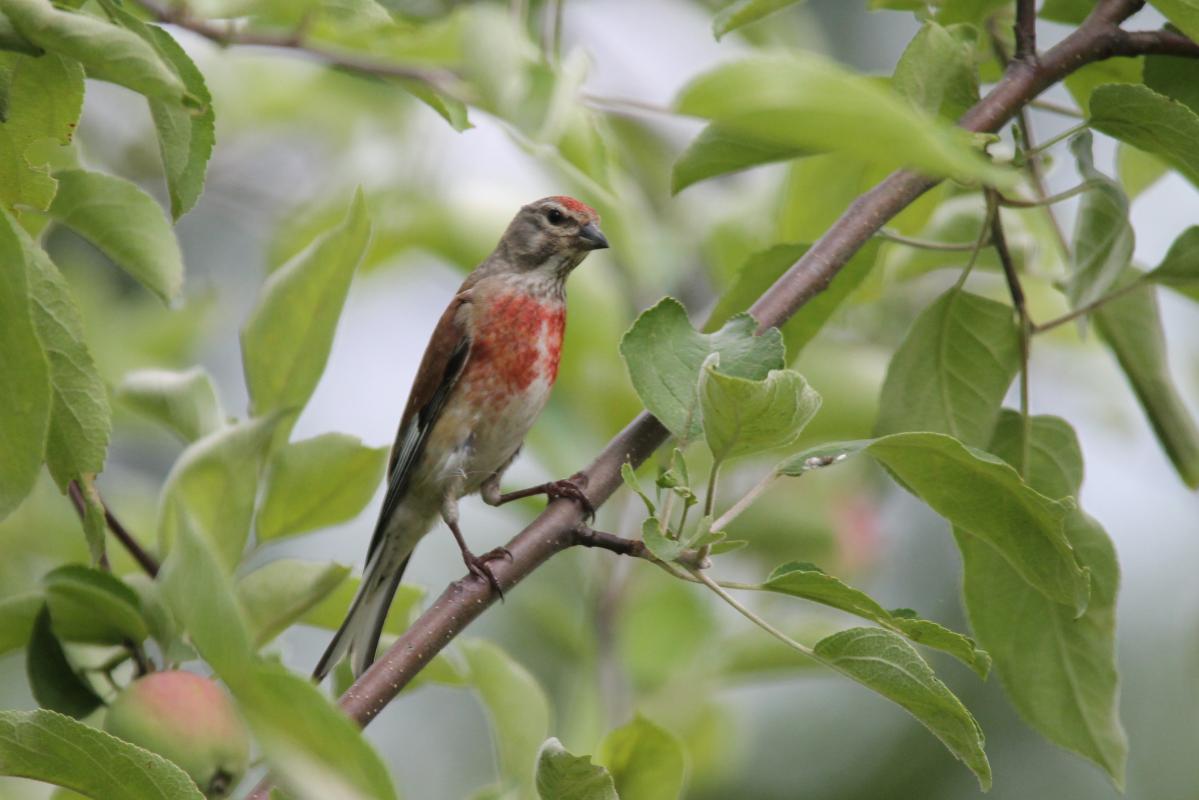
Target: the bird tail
pixel 359 634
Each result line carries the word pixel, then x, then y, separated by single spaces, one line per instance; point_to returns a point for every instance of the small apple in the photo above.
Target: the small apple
pixel 187 719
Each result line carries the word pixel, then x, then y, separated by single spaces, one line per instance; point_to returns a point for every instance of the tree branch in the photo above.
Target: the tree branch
pixel 555 529
pixel 1026 30
pixel 441 80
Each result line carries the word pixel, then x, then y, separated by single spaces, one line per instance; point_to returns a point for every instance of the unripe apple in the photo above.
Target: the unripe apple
pixel 189 720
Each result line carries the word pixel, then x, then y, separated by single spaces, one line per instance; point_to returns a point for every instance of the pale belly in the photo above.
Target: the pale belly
pixel 477 436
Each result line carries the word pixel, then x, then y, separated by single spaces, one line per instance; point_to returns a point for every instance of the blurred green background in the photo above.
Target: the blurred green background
pixel 607 637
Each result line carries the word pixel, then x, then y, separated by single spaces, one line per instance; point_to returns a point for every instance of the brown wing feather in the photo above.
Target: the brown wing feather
pixel 435 378
pixel 447 338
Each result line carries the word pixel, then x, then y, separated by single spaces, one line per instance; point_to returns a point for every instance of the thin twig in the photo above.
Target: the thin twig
pixel 146 561
pixel 442 80
pixel 586 536
pixel 1026 30
pixel 1032 165
pixel 627 104
pixel 1021 306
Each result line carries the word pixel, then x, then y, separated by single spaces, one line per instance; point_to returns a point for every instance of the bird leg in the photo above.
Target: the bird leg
pixel 571 488
pixel 477 565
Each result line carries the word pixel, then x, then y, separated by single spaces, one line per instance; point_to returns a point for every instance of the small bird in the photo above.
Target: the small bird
pixel 485 377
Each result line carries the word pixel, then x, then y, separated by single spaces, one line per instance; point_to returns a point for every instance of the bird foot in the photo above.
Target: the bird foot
pixel 572 489
pixel 477 565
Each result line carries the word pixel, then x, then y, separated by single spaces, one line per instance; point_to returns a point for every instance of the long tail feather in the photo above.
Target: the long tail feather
pixel 359 634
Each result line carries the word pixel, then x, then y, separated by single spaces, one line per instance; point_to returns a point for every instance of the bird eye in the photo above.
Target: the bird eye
pixel 555 216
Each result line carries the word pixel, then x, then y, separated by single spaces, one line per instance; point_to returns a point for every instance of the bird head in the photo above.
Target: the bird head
pixel 551 235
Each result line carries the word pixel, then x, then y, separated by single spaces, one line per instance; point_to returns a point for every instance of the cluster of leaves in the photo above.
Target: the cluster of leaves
pixel 1004 480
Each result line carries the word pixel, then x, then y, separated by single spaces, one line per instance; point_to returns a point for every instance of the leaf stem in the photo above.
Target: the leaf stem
pixel 1088 308
pixel 1060 137
pixel 747 499
pixel 1045 201
pixel 710 494
pixel 1057 108
pixel 751 616
pixel 925 244
pixel 984 232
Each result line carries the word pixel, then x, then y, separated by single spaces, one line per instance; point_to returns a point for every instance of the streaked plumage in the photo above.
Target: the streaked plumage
pixel 485 377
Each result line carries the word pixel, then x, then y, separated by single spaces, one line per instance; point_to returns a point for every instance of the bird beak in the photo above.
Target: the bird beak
pixel 593 237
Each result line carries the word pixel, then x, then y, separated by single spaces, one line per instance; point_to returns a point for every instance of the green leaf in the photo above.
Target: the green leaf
pixel 811 583
pixel 951 371
pixel 17 614
pixel 809 103
pixel 983 495
pixel 124 223
pixel 743 12
pixel 884 662
pixel 1137 169
pixel 1132 327
pixel 45 96
pixel 314 750
pixel 762 269
pixel 53 682
pixel 200 595
pixel 80 418
pixel 1151 122
pixel 657 542
pixel 160 622
pixel 279 594
pixel 185 136
pixel 107 52
pixel 629 476
pixel 1103 237
pixel 331 612
pixel 664 353
pixel 742 417
pixel 1059 672
pixel 1180 268
pixel 1083 82
pixel 937 73
pixel 564 776
pixel 10 39
pixel 185 402
pixel 25 391
pixel 287 339
pixel 216 480
pixel 517 707
pixel 90 605
pixel 719 150
pixel 1175 77
pixel 48 747
pixel 646 761
pixel 822 455
pixel 1183 13
pixel 318 482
